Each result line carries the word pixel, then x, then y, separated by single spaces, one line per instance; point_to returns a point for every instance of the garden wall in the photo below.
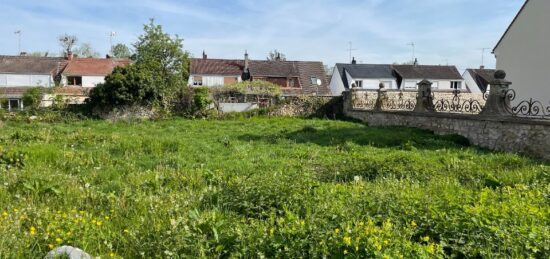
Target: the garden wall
pixel 511 134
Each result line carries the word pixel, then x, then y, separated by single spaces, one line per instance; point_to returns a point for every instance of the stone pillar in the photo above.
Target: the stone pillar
pixel 382 97
pixel 497 102
pixel 424 97
pixel 348 100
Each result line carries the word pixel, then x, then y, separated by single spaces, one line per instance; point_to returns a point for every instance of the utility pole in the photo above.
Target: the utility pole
pixel 483 56
pixel 351 49
pixel 18 32
pixel 414 51
pixel 113 34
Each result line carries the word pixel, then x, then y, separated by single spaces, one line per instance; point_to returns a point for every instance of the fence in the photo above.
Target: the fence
pixel 424 100
pixel 487 120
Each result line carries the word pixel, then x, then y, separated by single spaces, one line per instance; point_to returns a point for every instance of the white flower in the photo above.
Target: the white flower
pixel 87 185
pixel 357 178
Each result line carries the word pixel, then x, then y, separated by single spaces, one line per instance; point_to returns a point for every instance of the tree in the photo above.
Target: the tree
pixel 87 51
pixel 67 42
pixel 159 72
pixel 33 97
pixel 162 58
pixel 121 51
pixel 276 55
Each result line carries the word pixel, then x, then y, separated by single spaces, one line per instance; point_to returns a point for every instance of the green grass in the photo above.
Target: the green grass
pixel 276 187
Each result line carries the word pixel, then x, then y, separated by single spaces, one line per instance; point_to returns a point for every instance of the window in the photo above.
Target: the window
pixel 359 83
pixel 410 84
pixel 197 80
pixel 435 85
pixel 291 82
pixel 387 84
pixel 456 85
pixel 314 80
pixel 14 104
pixel 74 80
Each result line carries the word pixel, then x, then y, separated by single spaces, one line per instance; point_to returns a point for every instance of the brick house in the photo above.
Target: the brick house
pixel 294 77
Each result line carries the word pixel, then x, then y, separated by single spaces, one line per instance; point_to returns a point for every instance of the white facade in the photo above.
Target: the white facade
pixel 211 80
pixel 470 83
pixel 337 85
pixel 92 81
pixel 437 84
pixel 524 52
pixel 18 80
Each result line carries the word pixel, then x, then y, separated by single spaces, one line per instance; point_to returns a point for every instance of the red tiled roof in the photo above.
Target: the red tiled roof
pixel 93 66
pixel 221 67
pixel 303 70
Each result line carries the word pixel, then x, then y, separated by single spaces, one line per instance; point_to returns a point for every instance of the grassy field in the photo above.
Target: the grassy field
pixel 265 187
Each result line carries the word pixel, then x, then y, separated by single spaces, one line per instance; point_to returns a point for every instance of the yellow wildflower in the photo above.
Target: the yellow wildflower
pixel 59 240
pixel 5 214
pixel 386 242
pixel 413 223
pixel 107 218
pixel 112 254
pixel 346 252
pixel 426 239
pixel 50 246
pixel 99 223
pixel 347 240
pixel 337 230
pixel 126 231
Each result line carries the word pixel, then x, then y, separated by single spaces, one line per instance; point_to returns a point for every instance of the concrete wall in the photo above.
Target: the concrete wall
pixel 92 81
pixel 25 80
pixel 524 52
pixel 510 134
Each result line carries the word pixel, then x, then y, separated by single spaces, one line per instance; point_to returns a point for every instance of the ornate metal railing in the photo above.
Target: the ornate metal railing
pixel 400 103
pixel 527 108
pixel 458 105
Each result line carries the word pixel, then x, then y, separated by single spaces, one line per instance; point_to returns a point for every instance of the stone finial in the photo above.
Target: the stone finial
pixel 382 98
pixel 424 97
pixel 498 103
pixel 500 74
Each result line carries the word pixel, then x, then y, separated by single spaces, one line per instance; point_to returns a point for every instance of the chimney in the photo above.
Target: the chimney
pixel 69 56
pixel 245 60
pixel 107 56
pixel 415 61
pixel 204 56
pixel 353 61
pixel 482 67
pixel 278 58
pixel 23 54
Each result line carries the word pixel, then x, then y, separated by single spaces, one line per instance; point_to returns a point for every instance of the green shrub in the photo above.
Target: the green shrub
pixel 33 97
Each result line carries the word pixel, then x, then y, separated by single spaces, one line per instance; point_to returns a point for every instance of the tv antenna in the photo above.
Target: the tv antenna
pixel 18 32
pixel 413 51
pixel 113 34
pixel 351 49
pixel 483 55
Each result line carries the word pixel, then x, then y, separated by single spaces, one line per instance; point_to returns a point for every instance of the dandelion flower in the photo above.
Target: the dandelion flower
pixel 346 252
pixel 426 239
pixel 59 240
pixel 347 240
pixel 337 230
pixel 50 246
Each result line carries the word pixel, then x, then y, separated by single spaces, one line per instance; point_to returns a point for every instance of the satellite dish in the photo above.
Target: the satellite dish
pixel 319 82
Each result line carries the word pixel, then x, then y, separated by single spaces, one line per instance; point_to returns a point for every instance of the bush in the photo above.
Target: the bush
pixel 33 97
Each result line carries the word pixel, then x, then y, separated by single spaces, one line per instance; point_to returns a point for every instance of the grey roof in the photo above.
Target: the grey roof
pixel 427 72
pixel 31 65
pixel 482 77
pixel 364 71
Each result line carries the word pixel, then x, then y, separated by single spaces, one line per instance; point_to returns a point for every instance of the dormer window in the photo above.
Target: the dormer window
pixel 74 80
pixel 314 80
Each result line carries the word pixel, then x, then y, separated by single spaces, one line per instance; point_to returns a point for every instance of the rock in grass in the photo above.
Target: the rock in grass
pixel 67 251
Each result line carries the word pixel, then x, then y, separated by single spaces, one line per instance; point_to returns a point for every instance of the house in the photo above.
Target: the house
pixel 294 77
pixel 88 72
pixel 443 78
pixel 20 73
pixel 478 80
pixel 73 76
pixel 366 76
pixel 523 52
pixel 398 77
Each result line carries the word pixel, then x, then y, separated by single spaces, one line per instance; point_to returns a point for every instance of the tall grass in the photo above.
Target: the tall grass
pixel 272 187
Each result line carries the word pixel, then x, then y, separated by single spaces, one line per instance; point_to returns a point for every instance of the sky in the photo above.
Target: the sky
pixel 443 31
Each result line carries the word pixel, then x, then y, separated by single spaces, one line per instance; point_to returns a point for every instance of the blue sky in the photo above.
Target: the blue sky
pixel 444 31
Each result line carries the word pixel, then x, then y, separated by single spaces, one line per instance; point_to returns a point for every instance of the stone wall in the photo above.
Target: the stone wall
pixel 502 133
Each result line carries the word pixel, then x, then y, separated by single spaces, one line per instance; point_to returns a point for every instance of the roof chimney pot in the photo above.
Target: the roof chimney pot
pixel 353 61
pixel 204 56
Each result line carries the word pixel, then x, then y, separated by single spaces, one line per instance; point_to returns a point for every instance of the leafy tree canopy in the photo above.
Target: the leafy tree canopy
pixel 121 51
